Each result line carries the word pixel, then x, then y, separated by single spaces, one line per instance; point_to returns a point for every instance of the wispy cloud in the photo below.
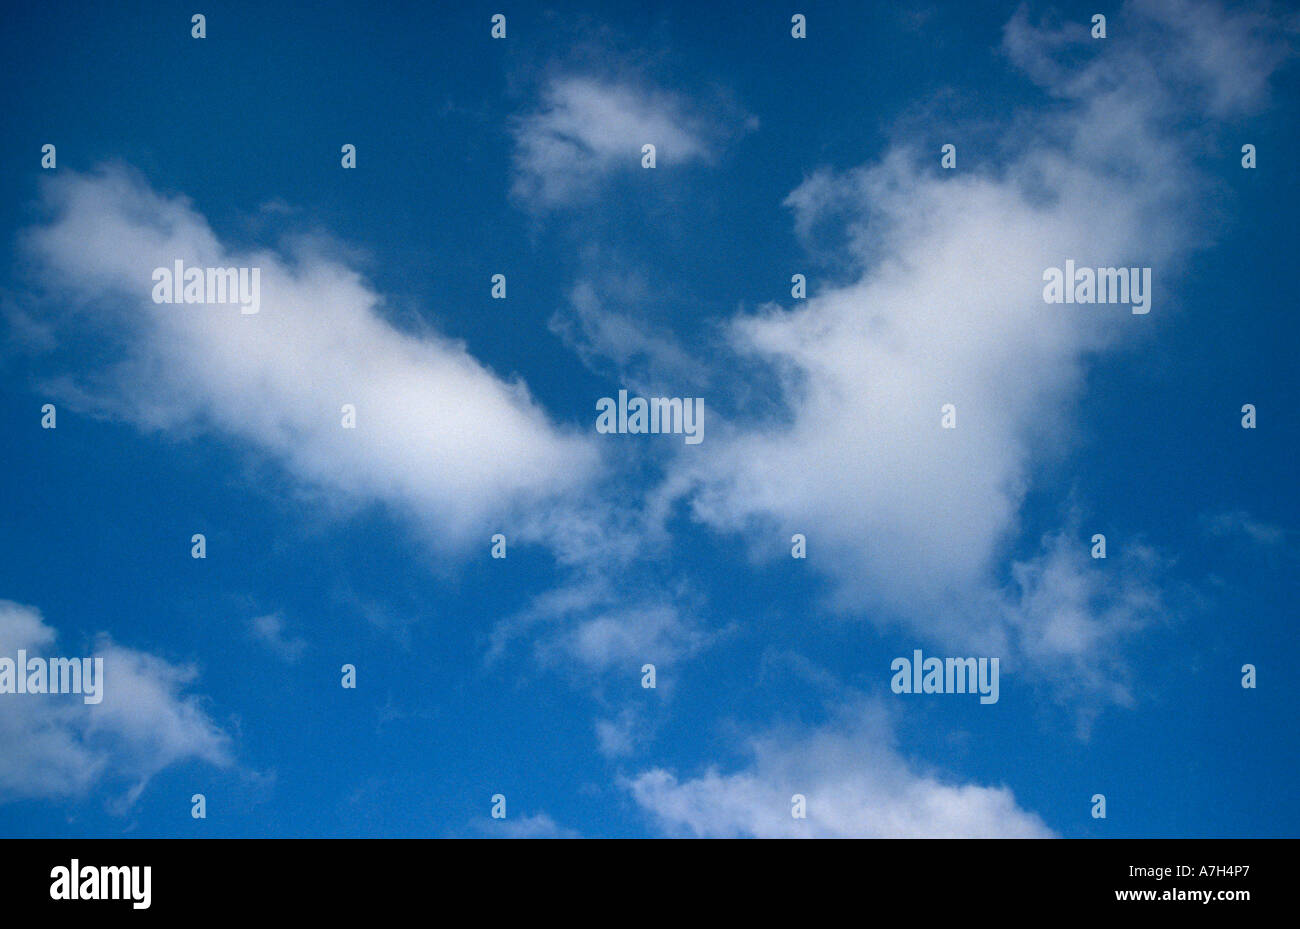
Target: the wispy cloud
pixel 586 129
pixel 1240 522
pixel 270 631
pixel 601 325
pixel 537 826
pixel 601 626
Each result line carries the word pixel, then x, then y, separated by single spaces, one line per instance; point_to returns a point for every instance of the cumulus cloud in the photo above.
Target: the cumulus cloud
pixel 438 436
pixel 586 129
pixel 915 523
pixel 855 782
pixel 59 747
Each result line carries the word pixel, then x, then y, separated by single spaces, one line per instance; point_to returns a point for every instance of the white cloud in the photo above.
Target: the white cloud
pixel 630 634
pixel 1067 617
pixel 624 345
pixel 1227 55
pixel 855 782
pixel 621 735
pixel 537 826
pixel 59 747
pixel 270 631
pixel 438 436
pixel 588 128
pixel 601 626
pixel 913 522
pixel 1241 522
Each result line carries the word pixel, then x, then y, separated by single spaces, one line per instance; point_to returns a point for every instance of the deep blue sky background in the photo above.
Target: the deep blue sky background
pixel 97 516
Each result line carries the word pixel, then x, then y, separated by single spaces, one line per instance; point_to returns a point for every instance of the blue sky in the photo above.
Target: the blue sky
pixel 522 676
